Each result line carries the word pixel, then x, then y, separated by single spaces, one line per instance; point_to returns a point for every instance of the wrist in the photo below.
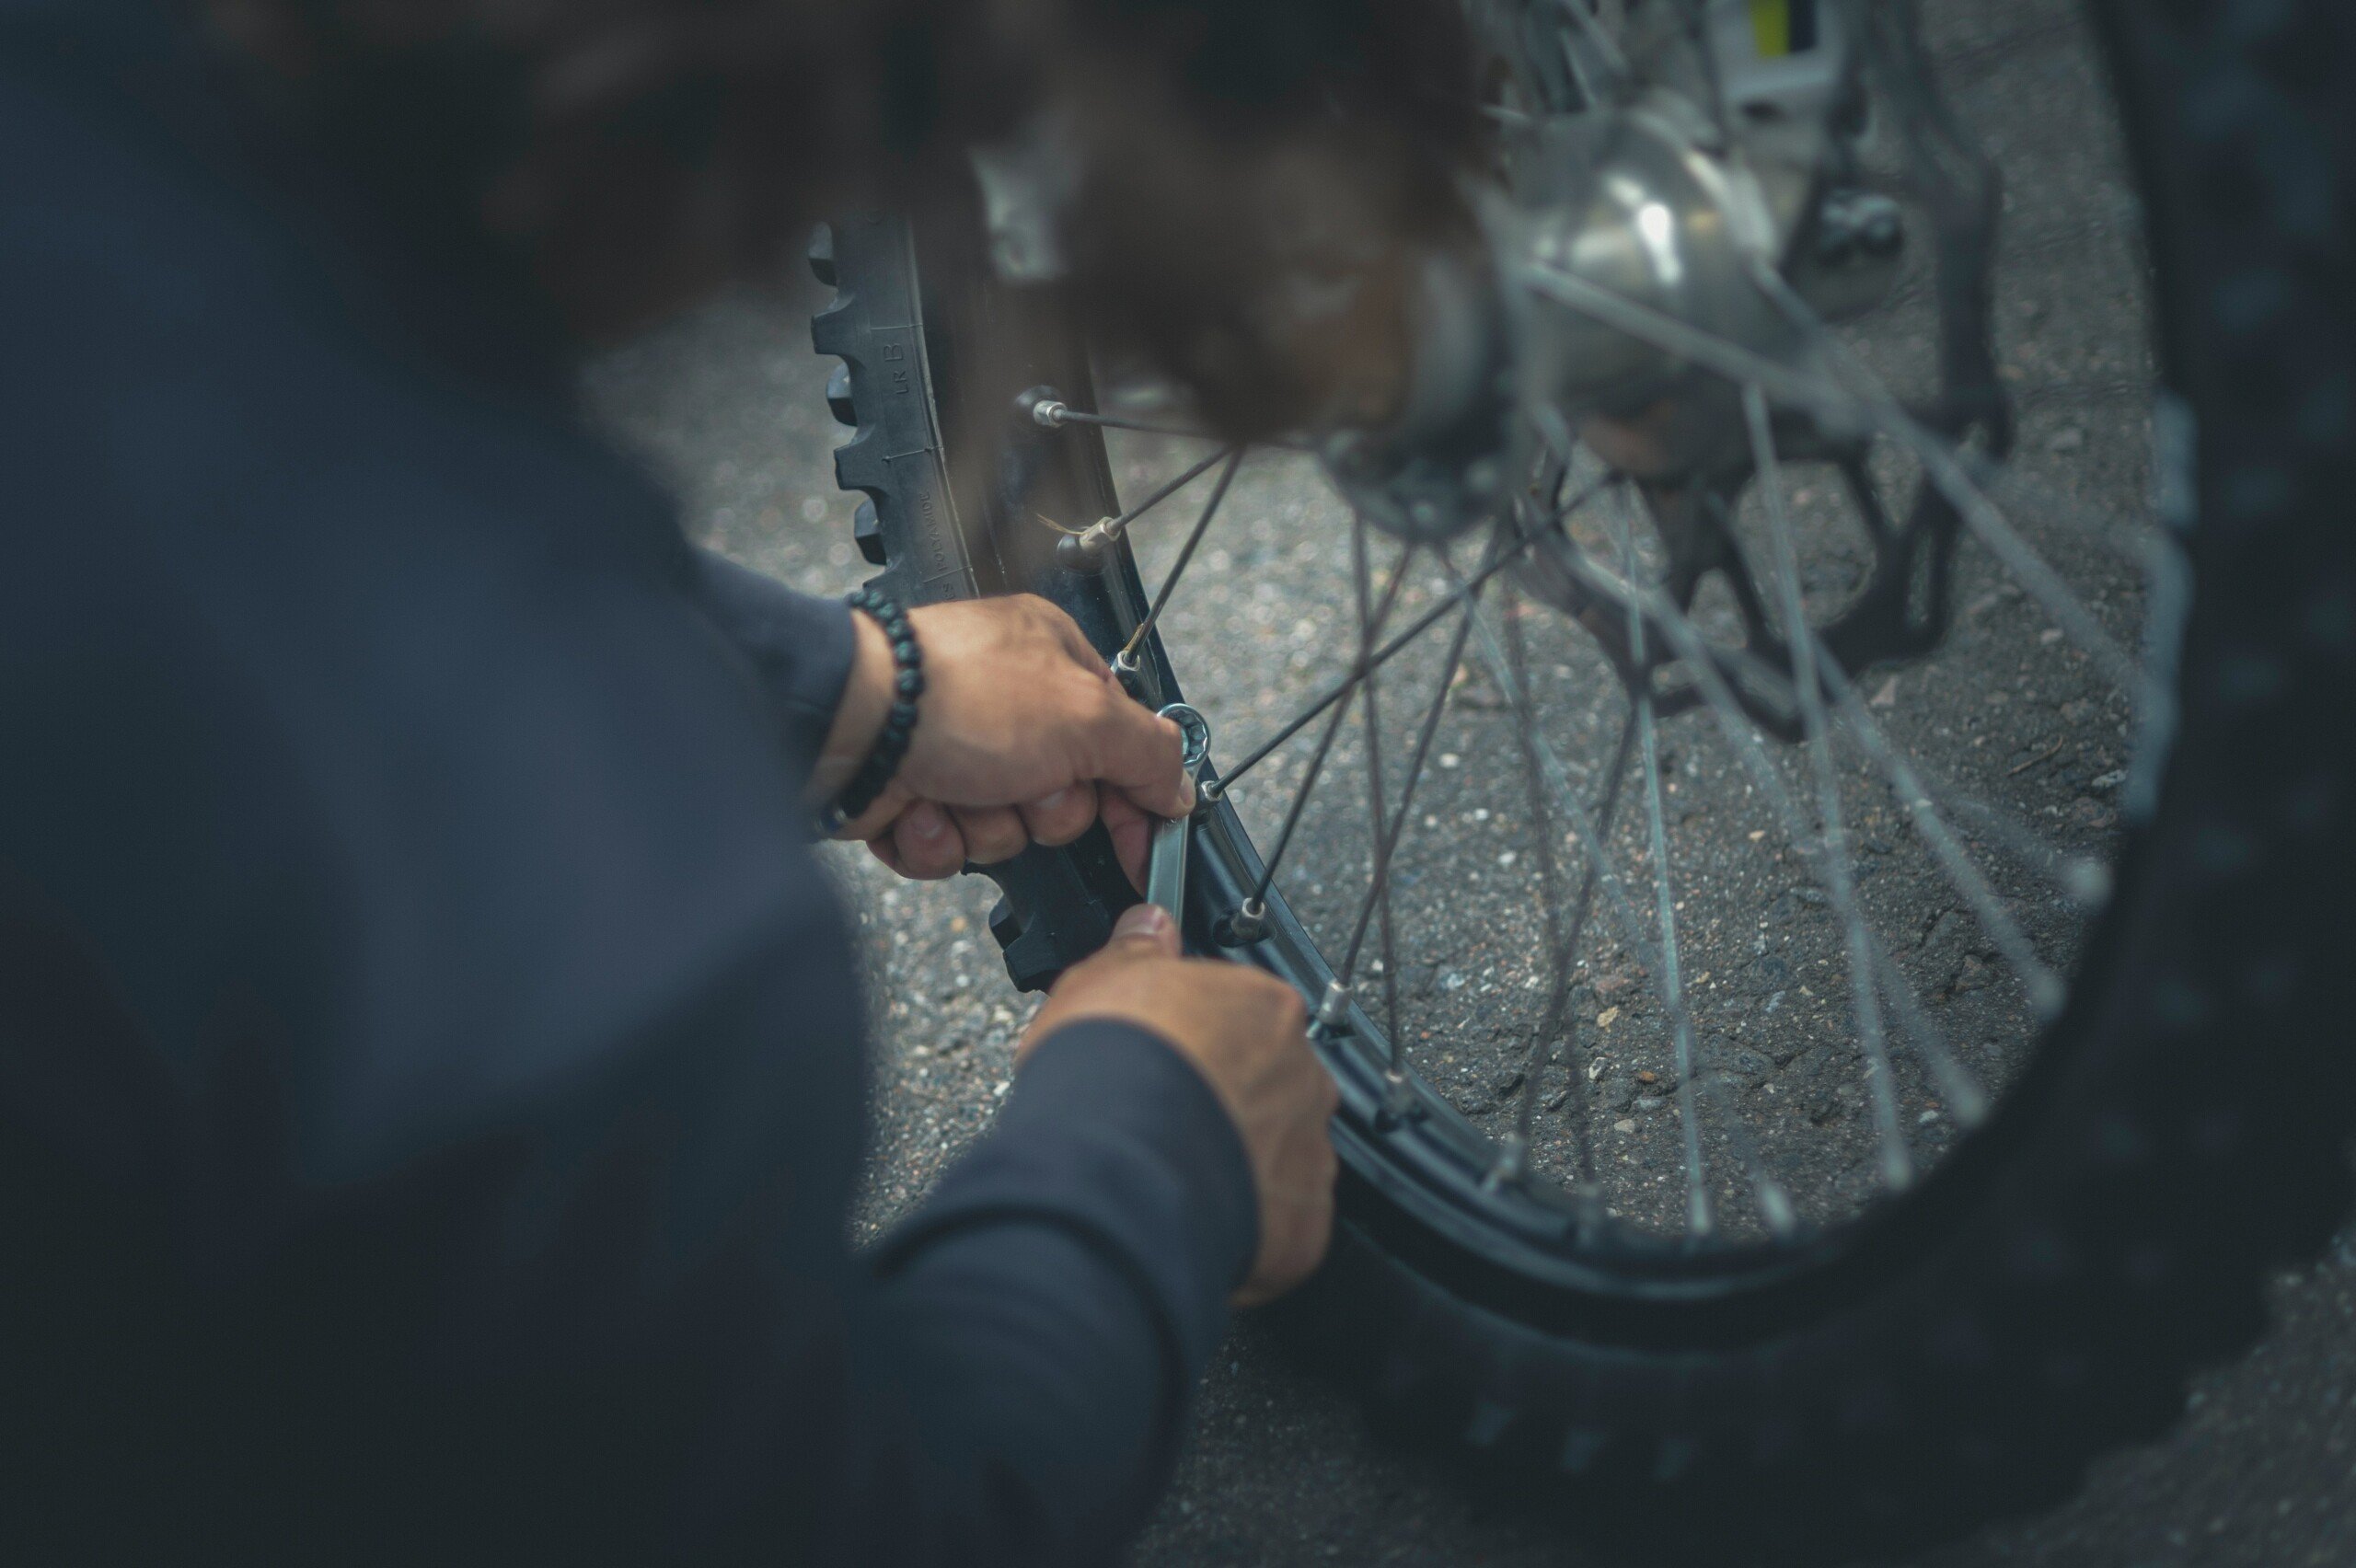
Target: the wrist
pixel 858 717
pixel 865 800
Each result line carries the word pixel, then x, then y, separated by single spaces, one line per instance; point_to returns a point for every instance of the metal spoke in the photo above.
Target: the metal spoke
pixel 1559 997
pixel 1632 929
pixel 1257 903
pixel 2085 879
pixel 1853 412
pixel 1706 54
pixel 1774 1202
pixel 2129 538
pixel 1680 1021
pixel 1114 527
pixel 1966 1102
pixel 1127 657
pixel 1389 843
pixel 2045 988
pixel 1632 932
pixel 1350 682
pixel 1897 1160
pixel 1607 47
pixel 1948 474
pixel 1370 706
pixel 1965 1097
pixel 1513 1161
pixel 1055 415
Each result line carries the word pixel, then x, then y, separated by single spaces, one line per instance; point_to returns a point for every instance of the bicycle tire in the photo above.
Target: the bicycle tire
pixel 2044 1296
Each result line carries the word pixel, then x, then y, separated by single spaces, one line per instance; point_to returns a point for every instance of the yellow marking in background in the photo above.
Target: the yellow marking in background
pixel 1771 24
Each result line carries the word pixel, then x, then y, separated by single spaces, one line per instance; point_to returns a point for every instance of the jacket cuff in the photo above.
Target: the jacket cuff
pixel 1113 1134
pixel 801 647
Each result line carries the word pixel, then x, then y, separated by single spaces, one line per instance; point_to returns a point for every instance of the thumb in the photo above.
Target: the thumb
pixel 1143 755
pixel 1146 931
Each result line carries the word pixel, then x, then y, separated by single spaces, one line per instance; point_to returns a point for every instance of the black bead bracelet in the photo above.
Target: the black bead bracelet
pixel 899 724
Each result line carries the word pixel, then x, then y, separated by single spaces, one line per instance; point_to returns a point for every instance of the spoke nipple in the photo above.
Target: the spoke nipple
pixel 1241 927
pixel 1512 1163
pixel 1042 406
pixel 1235 929
pixel 1086 551
pixel 1125 665
pixel 1698 1217
pixel 1399 1104
pixel 1209 793
pixel 1336 1007
pixel 1588 1213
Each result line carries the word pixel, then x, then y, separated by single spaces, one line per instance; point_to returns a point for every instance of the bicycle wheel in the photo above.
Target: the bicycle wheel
pixel 1802 1092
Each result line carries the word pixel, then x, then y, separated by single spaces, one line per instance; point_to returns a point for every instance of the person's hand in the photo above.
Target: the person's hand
pixel 1246 1032
pixel 1022 736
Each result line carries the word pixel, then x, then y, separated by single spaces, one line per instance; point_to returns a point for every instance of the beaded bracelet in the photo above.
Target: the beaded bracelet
pixel 899 724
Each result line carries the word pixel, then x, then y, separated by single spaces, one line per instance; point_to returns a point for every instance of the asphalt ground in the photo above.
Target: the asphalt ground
pixel 1280 1469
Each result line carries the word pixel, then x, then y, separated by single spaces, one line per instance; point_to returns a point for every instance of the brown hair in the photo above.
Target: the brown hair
pixel 631 151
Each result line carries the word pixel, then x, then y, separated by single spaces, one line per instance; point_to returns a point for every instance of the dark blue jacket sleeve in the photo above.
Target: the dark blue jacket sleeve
pixel 800 647
pixel 1038 1324
pixel 431 1085
pixel 1112 1135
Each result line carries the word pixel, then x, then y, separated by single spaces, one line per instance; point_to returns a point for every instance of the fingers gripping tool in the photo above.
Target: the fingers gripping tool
pixel 1165 882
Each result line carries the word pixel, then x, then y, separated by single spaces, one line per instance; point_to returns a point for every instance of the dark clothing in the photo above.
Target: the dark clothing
pixel 430 1062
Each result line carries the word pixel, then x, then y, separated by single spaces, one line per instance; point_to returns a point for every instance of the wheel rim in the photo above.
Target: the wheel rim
pixel 1413 1140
